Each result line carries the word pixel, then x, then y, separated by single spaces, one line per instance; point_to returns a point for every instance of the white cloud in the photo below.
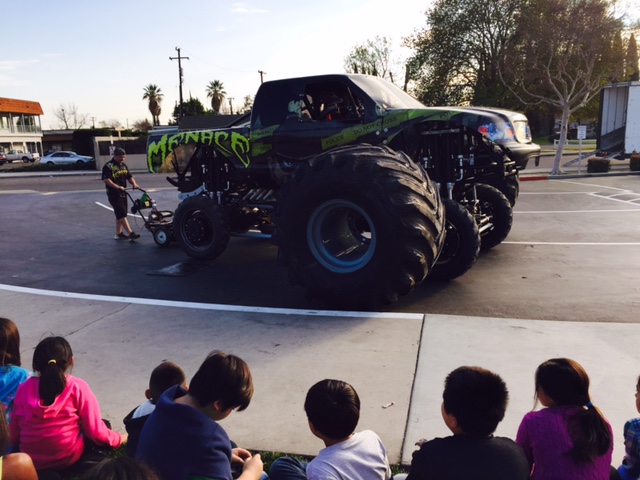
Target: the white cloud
pixel 244 9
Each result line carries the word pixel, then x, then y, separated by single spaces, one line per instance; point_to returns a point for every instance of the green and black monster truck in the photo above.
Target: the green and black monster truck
pixel 364 190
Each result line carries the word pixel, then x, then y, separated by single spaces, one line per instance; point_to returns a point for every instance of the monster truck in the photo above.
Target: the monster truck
pixel 365 190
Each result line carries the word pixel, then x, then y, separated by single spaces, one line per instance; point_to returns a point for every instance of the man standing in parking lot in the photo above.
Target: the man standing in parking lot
pixel 115 175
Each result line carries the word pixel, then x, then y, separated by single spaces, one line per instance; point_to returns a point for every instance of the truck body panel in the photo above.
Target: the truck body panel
pixel 619 124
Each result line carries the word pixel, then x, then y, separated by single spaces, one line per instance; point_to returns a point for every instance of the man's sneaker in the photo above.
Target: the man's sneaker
pixel 133 236
pixel 120 236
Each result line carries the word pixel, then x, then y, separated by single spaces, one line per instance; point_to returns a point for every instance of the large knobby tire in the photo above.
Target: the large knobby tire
pixel 493 204
pixel 461 244
pixel 358 226
pixel 201 228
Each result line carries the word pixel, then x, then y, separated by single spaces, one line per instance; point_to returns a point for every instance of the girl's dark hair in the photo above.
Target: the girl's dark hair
pixel 9 343
pixel 566 383
pixel 51 358
pixel 5 439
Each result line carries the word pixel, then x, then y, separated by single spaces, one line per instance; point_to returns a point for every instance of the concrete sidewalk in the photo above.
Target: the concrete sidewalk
pixel 396 362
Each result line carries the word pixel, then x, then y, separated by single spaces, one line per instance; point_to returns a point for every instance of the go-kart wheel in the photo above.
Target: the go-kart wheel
pixel 162 236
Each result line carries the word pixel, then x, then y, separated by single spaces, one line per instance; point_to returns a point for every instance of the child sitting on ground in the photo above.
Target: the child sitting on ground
pixel 333 411
pixel 630 468
pixel 163 377
pixel 570 438
pixel 56 417
pixel 474 402
pixel 182 438
pixel 11 373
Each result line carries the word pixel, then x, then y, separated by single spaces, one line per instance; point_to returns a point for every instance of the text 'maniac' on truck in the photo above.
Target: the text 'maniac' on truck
pixel 364 189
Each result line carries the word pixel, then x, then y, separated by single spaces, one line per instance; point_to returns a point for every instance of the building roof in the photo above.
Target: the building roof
pixel 12 105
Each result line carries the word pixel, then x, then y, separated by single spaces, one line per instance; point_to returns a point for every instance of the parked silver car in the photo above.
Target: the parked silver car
pixel 65 158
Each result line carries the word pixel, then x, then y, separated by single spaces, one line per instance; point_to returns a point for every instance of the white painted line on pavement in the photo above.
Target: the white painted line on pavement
pixel 587 244
pixel 211 306
pixel 551 212
pixel 111 209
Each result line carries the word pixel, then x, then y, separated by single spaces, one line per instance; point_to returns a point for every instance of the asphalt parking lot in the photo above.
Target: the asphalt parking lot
pixel 573 254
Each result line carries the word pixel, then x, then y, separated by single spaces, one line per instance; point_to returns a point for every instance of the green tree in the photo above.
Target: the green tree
pixel 190 108
pixel 215 91
pixel 631 60
pixel 547 62
pixel 375 57
pixel 456 57
pixel 154 95
pixel 247 105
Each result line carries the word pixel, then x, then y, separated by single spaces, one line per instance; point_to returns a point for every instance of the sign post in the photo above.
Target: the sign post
pixel 582 134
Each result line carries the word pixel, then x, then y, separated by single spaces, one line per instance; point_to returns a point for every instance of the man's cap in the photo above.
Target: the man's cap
pixel 119 151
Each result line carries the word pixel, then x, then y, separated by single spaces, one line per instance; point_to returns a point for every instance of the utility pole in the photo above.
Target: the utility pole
pixel 180 76
pixel 261 75
pixel 231 105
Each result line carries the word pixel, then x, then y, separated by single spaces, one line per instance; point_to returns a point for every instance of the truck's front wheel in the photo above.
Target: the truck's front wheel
pixel 201 227
pixel 359 226
pixel 461 243
pixel 493 205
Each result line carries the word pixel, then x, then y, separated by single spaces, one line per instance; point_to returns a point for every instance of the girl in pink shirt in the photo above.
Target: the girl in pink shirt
pixel 54 413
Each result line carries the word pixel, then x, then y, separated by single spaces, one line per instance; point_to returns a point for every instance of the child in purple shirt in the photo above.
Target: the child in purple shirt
pixel 569 439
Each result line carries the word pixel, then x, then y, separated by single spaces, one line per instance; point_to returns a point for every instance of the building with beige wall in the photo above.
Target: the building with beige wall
pixel 20 127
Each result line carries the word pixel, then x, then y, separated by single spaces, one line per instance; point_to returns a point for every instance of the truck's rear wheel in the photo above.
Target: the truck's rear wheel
pixel 359 226
pixel 496 207
pixel 461 244
pixel 201 227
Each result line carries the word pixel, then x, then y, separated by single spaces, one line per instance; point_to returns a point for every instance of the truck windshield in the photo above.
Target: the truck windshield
pixel 386 94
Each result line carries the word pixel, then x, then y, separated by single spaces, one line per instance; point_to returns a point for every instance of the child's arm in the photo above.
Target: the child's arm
pixel 93 427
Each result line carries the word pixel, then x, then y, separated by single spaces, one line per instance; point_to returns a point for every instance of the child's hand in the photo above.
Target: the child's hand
pixel 124 438
pixel 253 467
pixel 239 455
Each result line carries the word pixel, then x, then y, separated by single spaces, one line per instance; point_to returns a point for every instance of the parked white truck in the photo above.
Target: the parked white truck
pixel 13 155
pixel 619 129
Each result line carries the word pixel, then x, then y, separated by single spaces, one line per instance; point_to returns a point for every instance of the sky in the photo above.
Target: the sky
pixel 99 56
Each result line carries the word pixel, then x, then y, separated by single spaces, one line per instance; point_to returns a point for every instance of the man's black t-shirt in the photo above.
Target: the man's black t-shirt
pixel 119 174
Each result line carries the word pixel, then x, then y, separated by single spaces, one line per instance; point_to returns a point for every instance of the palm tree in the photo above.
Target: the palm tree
pixel 154 95
pixel 215 91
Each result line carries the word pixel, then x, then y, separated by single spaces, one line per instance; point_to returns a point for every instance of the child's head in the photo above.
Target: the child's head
pixel 563 381
pixel 9 343
pixel 122 468
pixel 51 359
pixel 163 377
pixel 333 408
pixel 224 378
pixel 477 398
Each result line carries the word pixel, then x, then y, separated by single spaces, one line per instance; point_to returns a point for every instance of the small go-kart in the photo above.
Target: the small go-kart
pixel 158 222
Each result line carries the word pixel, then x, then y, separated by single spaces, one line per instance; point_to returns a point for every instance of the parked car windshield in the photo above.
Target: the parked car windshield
pixel 386 94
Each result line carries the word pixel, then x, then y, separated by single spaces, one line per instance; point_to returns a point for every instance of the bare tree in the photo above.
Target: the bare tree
pixel 375 57
pixel 69 118
pixel 561 54
pixel 110 123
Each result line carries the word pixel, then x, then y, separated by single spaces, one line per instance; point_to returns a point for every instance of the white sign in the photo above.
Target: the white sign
pixel 582 132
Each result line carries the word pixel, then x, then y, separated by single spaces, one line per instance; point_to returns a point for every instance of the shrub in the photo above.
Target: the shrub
pixel 598 165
